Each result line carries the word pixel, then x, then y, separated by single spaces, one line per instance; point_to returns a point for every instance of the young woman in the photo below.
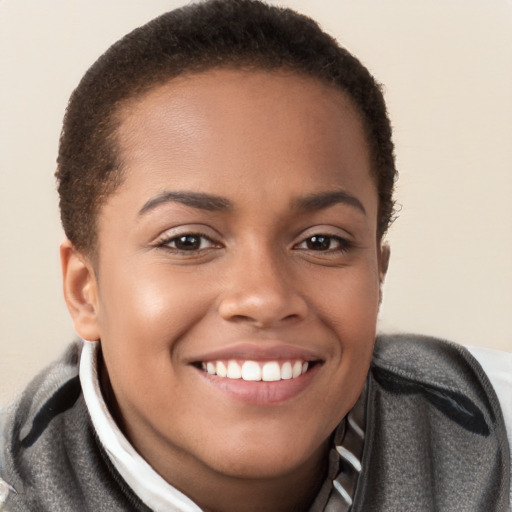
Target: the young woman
pixel 225 177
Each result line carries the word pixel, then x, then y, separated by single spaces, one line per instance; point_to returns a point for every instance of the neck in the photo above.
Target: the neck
pixel 294 492
pixel 216 492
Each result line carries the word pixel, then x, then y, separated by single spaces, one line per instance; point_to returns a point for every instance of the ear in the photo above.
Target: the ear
pixel 80 291
pixel 384 255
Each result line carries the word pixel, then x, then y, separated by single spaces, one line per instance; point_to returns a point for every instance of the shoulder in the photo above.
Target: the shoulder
pixel 50 393
pixel 30 425
pixel 433 420
pixel 443 372
pixel 51 455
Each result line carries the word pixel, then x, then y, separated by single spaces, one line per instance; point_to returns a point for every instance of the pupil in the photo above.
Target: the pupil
pixel 188 242
pixel 319 243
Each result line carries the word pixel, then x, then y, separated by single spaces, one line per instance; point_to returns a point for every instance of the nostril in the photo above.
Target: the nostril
pixel 241 318
pixel 291 317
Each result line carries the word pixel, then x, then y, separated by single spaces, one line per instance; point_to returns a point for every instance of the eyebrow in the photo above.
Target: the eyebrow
pixel 199 200
pixel 321 200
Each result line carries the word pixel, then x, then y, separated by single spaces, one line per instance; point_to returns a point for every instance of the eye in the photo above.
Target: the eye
pixel 187 242
pixel 324 243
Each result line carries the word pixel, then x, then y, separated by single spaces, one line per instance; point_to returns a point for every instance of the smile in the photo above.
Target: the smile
pixel 266 371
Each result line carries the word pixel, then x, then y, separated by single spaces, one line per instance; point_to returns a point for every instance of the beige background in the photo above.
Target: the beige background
pixel 447 67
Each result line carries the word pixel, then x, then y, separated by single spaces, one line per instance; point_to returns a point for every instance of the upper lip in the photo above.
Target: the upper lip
pixel 258 352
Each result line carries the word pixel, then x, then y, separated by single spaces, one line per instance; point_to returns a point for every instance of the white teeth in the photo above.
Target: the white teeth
pixel 251 371
pixel 221 369
pixel 269 371
pixel 297 369
pixel 234 371
pixel 286 371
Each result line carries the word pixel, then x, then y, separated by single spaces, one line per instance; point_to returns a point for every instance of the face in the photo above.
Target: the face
pixel 241 241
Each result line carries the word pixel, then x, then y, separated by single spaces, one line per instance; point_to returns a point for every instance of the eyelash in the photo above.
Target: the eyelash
pixel 344 245
pixel 166 243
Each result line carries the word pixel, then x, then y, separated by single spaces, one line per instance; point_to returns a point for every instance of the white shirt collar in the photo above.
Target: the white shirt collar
pixel 147 484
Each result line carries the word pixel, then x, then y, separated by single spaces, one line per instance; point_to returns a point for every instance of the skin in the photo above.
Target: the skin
pixel 265 142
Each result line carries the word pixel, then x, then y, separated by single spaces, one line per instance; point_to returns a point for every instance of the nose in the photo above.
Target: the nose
pixel 261 292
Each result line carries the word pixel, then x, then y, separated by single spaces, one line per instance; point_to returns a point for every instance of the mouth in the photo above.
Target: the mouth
pixel 259 373
pixel 259 381
pixel 256 371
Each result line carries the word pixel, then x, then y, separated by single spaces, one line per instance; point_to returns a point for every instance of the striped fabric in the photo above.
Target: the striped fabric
pixel 338 491
pixel 350 451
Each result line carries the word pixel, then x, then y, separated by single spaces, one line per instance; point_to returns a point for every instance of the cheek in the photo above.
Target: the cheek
pixel 150 303
pixel 349 307
pixel 349 301
pixel 144 318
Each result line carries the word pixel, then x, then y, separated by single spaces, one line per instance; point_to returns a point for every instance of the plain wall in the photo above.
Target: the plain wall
pixel 447 70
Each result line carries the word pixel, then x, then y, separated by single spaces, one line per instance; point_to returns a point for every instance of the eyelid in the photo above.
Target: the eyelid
pixel 197 235
pixel 191 229
pixel 325 230
pixel 343 243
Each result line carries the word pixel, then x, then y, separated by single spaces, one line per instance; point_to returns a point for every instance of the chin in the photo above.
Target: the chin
pixel 266 454
pixel 261 465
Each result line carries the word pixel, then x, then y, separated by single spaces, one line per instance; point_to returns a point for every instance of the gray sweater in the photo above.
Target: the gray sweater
pixel 435 439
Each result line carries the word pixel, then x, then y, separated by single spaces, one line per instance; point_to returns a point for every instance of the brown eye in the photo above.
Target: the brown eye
pixel 325 243
pixel 319 243
pixel 188 242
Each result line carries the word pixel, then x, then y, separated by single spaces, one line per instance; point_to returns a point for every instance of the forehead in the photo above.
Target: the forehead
pixel 250 130
pixel 237 96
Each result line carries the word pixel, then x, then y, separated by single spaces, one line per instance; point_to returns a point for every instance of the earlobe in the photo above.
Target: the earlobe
pixel 80 291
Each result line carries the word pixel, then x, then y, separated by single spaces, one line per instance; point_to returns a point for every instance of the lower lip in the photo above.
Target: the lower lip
pixel 261 392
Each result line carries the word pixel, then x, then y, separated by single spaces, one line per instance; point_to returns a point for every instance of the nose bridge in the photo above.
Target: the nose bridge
pixel 261 288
